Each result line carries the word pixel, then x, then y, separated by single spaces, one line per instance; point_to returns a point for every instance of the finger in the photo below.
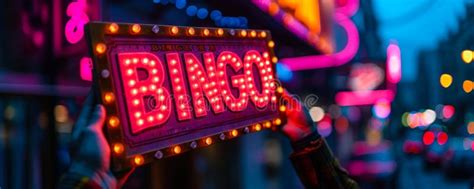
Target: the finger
pixel 97 118
pixel 83 116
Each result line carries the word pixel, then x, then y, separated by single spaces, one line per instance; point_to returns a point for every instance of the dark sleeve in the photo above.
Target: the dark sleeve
pixel 316 165
pixel 73 181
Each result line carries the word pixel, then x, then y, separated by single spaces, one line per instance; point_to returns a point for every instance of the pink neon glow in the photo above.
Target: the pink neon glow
pixel 86 68
pixel 74 29
pixel 349 98
pixel 293 25
pixel 394 68
pixel 350 8
pixel 394 74
pixel 336 59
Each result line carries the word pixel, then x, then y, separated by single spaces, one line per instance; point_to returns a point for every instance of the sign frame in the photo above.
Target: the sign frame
pixel 96 34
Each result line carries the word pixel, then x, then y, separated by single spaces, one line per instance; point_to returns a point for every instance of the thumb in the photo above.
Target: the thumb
pixel 97 118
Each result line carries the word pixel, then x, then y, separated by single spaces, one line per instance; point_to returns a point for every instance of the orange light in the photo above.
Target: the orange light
pixel 263 34
pixel 267 124
pixel 109 97
pixel 282 108
pixel 277 121
pixel 118 148
pixel 234 133
pixel 205 32
pixel 208 140
pixel 177 149
pixel 191 31
pixel 271 44
pixel 243 33
pixel 100 48
pixel 174 30
pixel 136 28
pixel 253 33
pixel 467 86
pixel 446 80
pixel 114 121
pixel 258 127
pixel 220 32
pixel 113 28
pixel 138 160
pixel 470 128
pixel 275 60
pixel 273 9
pixel 280 90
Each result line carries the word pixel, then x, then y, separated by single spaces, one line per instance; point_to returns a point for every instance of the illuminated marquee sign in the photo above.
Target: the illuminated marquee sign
pixel 168 89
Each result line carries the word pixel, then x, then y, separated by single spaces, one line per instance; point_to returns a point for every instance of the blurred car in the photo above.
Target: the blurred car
pixel 413 143
pixel 458 161
pixel 435 139
pixel 374 164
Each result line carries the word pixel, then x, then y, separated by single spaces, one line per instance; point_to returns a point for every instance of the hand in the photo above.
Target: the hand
pixel 90 151
pixel 299 123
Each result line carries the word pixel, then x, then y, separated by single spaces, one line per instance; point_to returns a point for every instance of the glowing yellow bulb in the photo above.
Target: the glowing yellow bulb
pixel 177 149
pixel 205 32
pixel 467 56
pixel 138 160
pixel 114 121
pixel 282 108
pixel 257 127
pixel 277 121
pixel 234 133
pixel 263 34
pixel 446 80
pixel 174 30
pixel 136 28
pixel 100 48
pixel 118 148
pixel 220 32
pixel 253 33
pixel 109 97
pixel 271 44
pixel 113 28
pixel 267 124
pixel 467 86
pixel 275 60
pixel 191 31
pixel 243 33
pixel 280 90
pixel 208 141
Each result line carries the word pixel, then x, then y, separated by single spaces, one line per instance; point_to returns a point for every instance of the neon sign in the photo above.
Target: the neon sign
pixel 369 97
pixel 168 89
pixel 74 29
pixel 342 18
pixel 305 18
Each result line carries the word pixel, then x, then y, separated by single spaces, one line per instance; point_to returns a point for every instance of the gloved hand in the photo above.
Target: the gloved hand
pixel 299 123
pixel 90 152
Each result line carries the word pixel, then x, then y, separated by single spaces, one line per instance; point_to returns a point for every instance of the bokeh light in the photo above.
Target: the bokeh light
pixel 467 56
pixel 446 80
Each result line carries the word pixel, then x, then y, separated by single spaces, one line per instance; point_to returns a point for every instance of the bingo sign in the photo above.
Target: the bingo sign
pixel 169 89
